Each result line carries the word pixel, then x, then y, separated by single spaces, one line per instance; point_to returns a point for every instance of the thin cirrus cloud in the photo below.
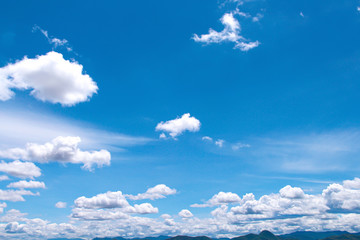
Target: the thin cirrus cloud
pixel 176 127
pixel 20 126
pixel 60 149
pixel 55 42
pixel 230 33
pixel 50 78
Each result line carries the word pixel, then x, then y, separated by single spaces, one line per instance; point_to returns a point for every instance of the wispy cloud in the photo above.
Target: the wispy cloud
pixel 19 127
pixel 55 42
pixel 230 33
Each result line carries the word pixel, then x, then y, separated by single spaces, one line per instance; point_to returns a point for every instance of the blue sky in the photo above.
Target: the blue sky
pixel 212 117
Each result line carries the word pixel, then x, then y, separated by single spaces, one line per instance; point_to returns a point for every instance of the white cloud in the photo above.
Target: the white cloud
pixel 4 178
pixel 177 126
pixel 358 8
pixel 165 216
pixel 302 14
pixel 346 196
pixel 14 227
pixel 26 184
pixel 20 169
pixel 207 138
pixel 60 205
pixel 145 208
pixel 220 199
pixel 60 149
pixel 15 195
pixel 2 206
pixel 238 146
pixel 219 142
pixel 103 200
pixel 98 214
pixel 352 184
pixel 230 33
pixel 292 192
pixel 20 126
pixel 159 191
pixel 286 211
pixel 162 136
pixel 50 78
pixel 185 213
pixel 109 205
pixel 56 42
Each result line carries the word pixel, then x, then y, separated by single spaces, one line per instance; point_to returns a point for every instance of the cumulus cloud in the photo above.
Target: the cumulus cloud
pixel 345 197
pixel 144 208
pixel 159 191
pixel 98 214
pixel 20 169
pixel 14 227
pixel 230 33
pixel 185 213
pixel 60 205
pixel 103 200
pixel 177 126
pixel 107 206
pixel 288 210
pixel 26 184
pixel 15 195
pixel 60 149
pixel 220 199
pixel 50 78
pixel 292 192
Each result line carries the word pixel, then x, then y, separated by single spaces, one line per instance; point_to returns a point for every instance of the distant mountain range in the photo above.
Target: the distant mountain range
pixel 264 235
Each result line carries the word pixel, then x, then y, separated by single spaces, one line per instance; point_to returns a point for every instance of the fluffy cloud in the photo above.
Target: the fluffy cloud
pixel 15 195
pixel 230 33
pixel 20 169
pixel 103 200
pixel 61 149
pixel 177 126
pixel 144 208
pixel 292 192
pixel 220 199
pixel 26 184
pixel 50 78
pixel 159 191
pixel 345 197
pixel 185 213
pixel 98 214
pixel 14 227
pixel 289 210
pixel 60 205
